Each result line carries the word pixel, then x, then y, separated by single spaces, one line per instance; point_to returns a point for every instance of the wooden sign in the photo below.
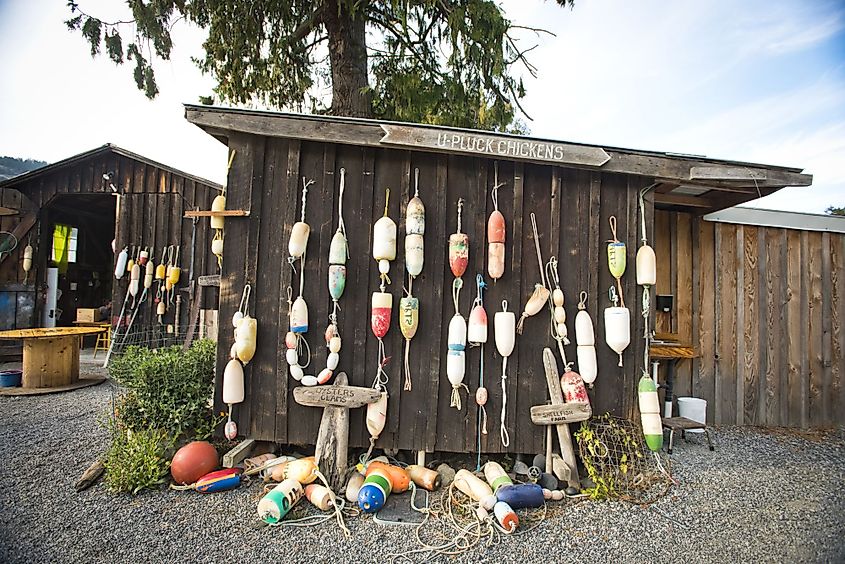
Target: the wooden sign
pixel 496 146
pixel 566 413
pixel 209 280
pixel 337 396
pixel 333 438
pixel 562 428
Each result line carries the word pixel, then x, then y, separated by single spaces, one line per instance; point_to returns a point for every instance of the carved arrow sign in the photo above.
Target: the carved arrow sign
pixel 482 144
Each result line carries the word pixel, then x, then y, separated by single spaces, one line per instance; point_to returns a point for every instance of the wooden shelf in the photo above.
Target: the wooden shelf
pixel 224 213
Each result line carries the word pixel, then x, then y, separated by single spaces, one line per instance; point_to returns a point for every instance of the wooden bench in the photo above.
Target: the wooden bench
pixel 683 425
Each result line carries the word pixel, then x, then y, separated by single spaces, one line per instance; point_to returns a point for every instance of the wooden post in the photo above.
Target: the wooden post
pixel 333 437
pixel 560 414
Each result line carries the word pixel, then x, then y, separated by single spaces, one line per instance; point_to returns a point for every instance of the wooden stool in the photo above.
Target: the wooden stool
pixel 103 339
pixel 683 424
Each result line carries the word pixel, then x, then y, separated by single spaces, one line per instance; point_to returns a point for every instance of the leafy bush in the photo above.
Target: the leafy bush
pixel 165 400
pixel 136 459
pixel 167 389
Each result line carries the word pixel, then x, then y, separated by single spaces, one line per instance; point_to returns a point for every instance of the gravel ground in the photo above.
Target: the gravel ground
pixel 763 496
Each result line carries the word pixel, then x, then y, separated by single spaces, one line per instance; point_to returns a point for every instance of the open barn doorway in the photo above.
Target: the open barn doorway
pixel 79 232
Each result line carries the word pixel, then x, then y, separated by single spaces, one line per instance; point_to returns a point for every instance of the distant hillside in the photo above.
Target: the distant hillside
pixel 13 166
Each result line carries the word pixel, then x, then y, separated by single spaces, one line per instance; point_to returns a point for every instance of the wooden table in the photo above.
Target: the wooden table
pixel 50 355
pixel 673 352
pixel 104 324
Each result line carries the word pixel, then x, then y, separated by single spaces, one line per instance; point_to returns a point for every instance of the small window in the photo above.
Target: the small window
pixel 59 234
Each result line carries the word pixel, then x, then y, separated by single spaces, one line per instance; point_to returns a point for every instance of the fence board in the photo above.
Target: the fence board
pixel 815 401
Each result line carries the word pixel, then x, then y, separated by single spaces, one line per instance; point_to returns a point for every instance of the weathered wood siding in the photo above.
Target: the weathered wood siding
pixel 572 210
pixel 149 212
pixel 765 312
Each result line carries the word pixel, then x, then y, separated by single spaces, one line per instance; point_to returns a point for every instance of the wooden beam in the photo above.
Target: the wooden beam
pixel 21 229
pixel 224 213
pixel 8 211
pixel 725 173
pixel 683 200
pixel 220 122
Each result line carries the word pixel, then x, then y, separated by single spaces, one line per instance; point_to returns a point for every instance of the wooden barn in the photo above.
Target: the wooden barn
pixel 103 197
pixel 573 190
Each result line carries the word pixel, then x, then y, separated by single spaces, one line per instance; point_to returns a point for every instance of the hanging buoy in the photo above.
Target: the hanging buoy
pixel 161 269
pixel 149 274
pixel 233 392
pixel 337 280
pixel 616 258
pixel 299 316
pixel 382 306
pixel 477 331
pixel 218 205
pixel 276 504
pixel 646 266
pixel 143 257
pixel 246 338
pixel 496 476
pixel 27 262
pixel 120 266
pixel 135 280
pixel 217 248
pixel 506 517
pixel 504 326
pixel 541 294
pixel 456 357
pixel 459 247
pixel 298 239
pixel 650 413
pixel 572 386
pixel 496 232
pixel 409 306
pixel 384 242
pixel 585 338
pixel 377 416
pixel 131 262
pixel 617 329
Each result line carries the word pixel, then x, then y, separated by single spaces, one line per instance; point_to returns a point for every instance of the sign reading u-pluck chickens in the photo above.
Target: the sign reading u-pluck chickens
pixel 481 144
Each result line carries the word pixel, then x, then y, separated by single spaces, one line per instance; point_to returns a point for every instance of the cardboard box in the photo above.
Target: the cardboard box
pixel 88 314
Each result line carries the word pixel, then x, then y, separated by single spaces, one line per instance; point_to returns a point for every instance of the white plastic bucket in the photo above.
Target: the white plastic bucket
pixel 693 408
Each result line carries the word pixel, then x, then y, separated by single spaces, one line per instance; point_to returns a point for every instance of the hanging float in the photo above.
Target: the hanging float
pixel 457 333
pixel 338 254
pixel 504 326
pixel 409 306
pixel 540 295
pixel 585 339
pixel 295 342
pixel 27 262
pixel 477 337
pixel 496 232
pixel 572 385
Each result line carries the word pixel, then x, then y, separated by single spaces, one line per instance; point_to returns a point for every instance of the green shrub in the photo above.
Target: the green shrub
pixel 136 459
pixel 167 389
pixel 165 400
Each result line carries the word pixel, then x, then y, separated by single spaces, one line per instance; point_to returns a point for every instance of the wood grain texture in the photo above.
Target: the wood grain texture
pixel 683 264
pixel 815 399
pixel 795 339
pixel 751 327
pixel 726 344
pixel 837 334
pixel 772 344
pixel 826 328
pixel 705 277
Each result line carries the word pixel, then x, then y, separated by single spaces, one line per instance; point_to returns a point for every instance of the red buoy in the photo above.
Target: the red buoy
pixel 193 461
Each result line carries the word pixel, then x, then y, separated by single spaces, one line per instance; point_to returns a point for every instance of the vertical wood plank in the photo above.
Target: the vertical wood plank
pixel 434 280
pixel 796 336
pixel 739 332
pixel 704 378
pixel 726 377
pixel 682 253
pixel 837 312
pixel 772 310
pixel 751 326
pixel 815 404
pixel 826 322
pixel 663 250
pixel 288 179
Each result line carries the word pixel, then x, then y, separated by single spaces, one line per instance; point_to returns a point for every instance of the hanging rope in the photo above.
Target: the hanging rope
pixel 482 411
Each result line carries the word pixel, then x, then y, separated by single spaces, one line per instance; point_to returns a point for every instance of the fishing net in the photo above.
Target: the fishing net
pixel 618 462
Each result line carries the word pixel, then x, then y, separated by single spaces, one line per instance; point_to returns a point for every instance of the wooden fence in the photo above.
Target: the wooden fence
pixel 764 306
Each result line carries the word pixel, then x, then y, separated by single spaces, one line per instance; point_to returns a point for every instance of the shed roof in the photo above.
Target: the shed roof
pixel 779 218
pixel 683 182
pixel 17 181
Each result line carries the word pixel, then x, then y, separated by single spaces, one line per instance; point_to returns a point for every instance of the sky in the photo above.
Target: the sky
pixel 758 80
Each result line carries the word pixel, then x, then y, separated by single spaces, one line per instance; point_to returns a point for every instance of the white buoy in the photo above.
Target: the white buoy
pixel 246 338
pixel 233 382
pixel 120 266
pixel 617 329
pixel 587 365
pixel 646 266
